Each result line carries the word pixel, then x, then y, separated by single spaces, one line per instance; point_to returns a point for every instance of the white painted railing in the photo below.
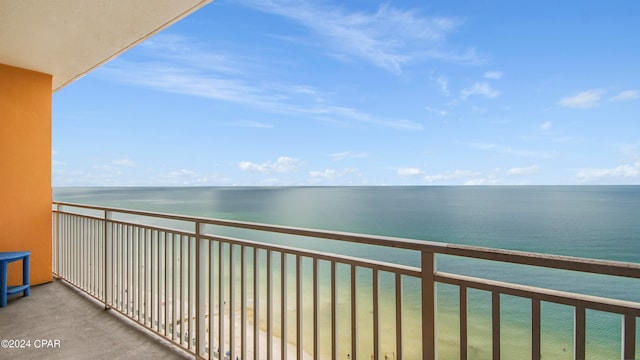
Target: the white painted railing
pixel 217 287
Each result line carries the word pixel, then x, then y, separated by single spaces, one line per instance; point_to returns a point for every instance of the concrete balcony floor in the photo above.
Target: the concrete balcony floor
pixel 74 326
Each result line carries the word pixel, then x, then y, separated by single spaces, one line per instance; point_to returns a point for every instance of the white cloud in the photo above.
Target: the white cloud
pixel 437 112
pixel 586 99
pixel 482 181
pixel 329 176
pixel 253 124
pixel 409 172
pixel 451 175
pixel 480 88
pixel 545 126
pixel 283 164
pixel 182 177
pixel 626 95
pixel 542 154
pixel 348 155
pixel 527 170
pixel 621 171
pixel 123 162
pixel 388 38
pixel 494 75
pixel 630 150
pixel 187 79
pixel 444 84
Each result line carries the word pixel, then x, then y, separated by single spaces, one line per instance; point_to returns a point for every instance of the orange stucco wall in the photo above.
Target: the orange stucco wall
pixel 25 169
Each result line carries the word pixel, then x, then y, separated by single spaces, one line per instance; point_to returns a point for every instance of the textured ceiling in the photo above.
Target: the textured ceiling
pixel 69 38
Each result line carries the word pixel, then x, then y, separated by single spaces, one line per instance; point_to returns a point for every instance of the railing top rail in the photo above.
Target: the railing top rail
pixel 596 266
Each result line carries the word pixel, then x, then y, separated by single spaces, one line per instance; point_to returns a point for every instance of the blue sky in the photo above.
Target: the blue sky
pixel 272 93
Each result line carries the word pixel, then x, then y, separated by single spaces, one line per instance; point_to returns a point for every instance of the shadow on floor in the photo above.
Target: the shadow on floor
pixel 59 322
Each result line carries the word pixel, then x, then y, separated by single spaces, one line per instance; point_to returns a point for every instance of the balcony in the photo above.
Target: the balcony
pixel 60 322
pixel 227 289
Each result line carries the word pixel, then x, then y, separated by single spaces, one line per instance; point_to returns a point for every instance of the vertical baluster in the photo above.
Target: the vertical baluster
pixel 256 306
pixel 120 267
pixel 96 254
pixel 55 233
pixel 148 276
pixel 130 257
pixel 159 273
pixel 354 313
pixel 464 333
pixel 116 253
pixel 299 325
pixel 141 278
pixel 629 336
pixel 167 280
pixel 201 297
pixel 190 294
pixel 82 270
pixel 133 289
pixel 283 305
pixel 232 302
pixel 399 315
pixel 183 261
pixel 194 292
pixel 101 282
pixel 98 278
pixel 495 324
pixel 535 329
pixel 92 250
pixel 114 265
pixel 243 304
pixel 88 257
pixel 269 308
pixel 85 256
pixel 136 273
pixel 73 247
pixel 579 333
pixel 175 315
pixel 376 315
pixel 80 253
pixel 428 264
pixel 154 267
pixel 316 325
pixel 334 313
pixel 221 332
pixel 211 299
pixel 108 268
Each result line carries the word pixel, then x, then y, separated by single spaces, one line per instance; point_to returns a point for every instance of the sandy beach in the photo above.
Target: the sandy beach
pixel 228 353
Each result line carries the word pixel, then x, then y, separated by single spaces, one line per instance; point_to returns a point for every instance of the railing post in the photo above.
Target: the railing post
pixel 628 336
pixel 579 333
pixel 56 239
pixel 428 265
pixel 58 236
pixel 200 301
pixel 107 278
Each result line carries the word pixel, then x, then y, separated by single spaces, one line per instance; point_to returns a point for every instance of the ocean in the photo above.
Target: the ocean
pixel 600 222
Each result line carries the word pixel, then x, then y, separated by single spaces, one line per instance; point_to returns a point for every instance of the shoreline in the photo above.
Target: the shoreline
pixel 276 341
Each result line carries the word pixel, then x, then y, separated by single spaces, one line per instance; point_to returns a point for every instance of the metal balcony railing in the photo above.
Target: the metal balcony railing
pixel 237 290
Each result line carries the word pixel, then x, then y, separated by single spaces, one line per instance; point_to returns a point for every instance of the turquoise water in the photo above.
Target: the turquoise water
pixel 587 221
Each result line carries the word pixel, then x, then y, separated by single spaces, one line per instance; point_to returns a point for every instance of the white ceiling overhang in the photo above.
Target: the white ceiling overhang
pixel 69 38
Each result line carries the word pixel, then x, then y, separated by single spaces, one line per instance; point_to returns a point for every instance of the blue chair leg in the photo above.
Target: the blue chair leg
pixel 3 283
pixel 25 275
